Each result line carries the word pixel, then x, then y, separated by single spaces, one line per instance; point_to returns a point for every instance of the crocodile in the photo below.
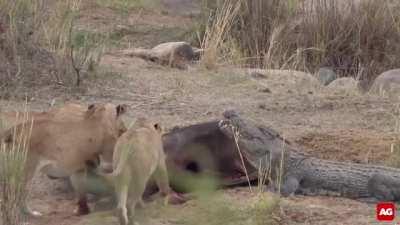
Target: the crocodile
pixel 303 174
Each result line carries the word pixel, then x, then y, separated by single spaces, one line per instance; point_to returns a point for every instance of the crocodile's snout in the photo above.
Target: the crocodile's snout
pixel 224 123
pixel 230 114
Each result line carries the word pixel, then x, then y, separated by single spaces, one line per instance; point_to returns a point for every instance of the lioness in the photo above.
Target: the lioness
pixel 70 111
pixel 71 144
pixel 138 155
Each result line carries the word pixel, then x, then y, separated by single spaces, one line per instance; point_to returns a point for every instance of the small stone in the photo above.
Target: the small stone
pixel 343 85
pixel 326 75
pixel 266 90
pixel 257 75
pixel 262 106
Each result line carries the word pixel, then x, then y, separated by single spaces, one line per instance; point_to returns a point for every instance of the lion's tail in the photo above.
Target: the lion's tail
pixel 121 162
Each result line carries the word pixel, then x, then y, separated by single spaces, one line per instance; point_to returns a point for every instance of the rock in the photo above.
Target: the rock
pixel 265 90
pixel 174 54
pixel 257 75
pixel 262 106
pixel 343 85
pixel 387 82
pixel 276 80
pixel 326 75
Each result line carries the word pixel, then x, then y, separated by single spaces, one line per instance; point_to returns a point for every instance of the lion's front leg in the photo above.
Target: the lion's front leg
pixel 78 181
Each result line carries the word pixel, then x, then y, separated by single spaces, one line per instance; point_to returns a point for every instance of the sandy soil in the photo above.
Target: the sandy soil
pixel 345 126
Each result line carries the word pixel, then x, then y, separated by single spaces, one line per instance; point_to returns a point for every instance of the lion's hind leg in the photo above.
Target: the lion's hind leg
pixel 122 212
pixel 136 191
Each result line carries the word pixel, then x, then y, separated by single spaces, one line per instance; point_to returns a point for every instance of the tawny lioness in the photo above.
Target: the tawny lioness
pixel 70 144
pixel 138 155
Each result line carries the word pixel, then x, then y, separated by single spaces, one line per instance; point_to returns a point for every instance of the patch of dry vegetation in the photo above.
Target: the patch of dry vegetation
pixel 356 38
pixel 218 209
pixel 394 159
pixel 211 208
pixel 216 32
pixel 12 180
pixel 39 45
pixel 24 33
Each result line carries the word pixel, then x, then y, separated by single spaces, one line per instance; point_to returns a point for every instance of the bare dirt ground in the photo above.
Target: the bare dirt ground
pixel 345 126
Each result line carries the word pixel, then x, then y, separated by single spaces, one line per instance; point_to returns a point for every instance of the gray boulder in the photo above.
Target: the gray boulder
pixel 343 85
pixel 326 75
pixel 387 82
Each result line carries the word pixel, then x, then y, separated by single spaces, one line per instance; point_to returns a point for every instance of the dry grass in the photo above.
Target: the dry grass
pixel 216 32
pixel 39 45
pixel 22 40
pixel 356 38
pixel 394 158
pixel 216 209
pixel 12 180
pixel 236 136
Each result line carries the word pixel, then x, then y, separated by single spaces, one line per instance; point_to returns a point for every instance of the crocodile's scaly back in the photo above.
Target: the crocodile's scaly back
pixel 309 175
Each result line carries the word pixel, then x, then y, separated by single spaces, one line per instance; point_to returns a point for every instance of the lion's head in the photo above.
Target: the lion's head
pixel 109 115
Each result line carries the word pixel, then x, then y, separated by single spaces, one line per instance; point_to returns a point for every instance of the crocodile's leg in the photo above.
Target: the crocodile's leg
pixel 290 185
pixel 384 188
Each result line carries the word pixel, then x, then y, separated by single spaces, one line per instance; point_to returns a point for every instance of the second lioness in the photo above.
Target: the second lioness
pixel 138 155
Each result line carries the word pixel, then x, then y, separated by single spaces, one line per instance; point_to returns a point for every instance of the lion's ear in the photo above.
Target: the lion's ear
pixel 8 139
pixel 121 109
pixel 90 110
pixel 158 127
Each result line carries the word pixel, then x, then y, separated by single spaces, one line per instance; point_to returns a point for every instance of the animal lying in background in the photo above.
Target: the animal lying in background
pixel 173 54
pixel 138 155
pixel 70 143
